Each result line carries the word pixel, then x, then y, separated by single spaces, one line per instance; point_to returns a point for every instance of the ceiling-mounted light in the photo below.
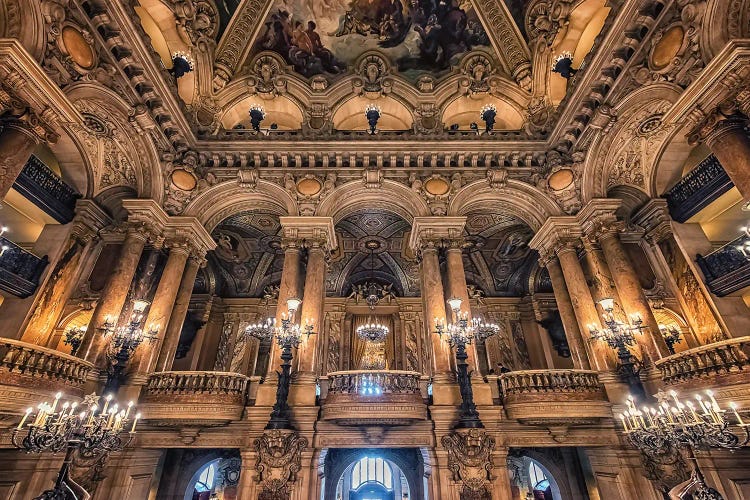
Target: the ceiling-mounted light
pixel 488 113
pixel 372 113
pixel 182 64
pixel 257 115
pixel 563 64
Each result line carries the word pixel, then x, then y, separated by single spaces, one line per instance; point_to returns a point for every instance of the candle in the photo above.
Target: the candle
pixel 692 412
pixel 23 420
pixel 135 421
pixel 57 398
pixel 674 396
pixel 624 423
pixel 130 405
pixel 106 403
pixel 710 394
pixel 733 406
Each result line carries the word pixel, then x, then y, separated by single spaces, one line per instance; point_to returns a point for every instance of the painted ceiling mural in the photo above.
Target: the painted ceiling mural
pixel 387 235
pixel 498 260
pixel 248 256
pixel 327 36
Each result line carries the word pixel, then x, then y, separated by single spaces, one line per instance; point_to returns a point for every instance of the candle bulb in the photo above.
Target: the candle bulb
pixel 135 421
pixel 23 420
pixel 130 405
pixel 106 403
pixel 733 406
pixel 57 398
pixel 710 394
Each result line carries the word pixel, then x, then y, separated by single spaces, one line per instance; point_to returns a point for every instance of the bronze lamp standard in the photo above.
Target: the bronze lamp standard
pixel 288 335
pixel 459 334
pixel 77 429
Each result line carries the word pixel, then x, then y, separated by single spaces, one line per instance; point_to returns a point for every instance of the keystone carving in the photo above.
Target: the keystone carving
pixel 278 462
pixel 470 460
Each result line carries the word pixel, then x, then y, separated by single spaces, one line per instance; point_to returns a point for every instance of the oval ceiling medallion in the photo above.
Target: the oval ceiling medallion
pixel 437 187
pixel 309 187
pixel 560 179
pixel 667 48
pixel 77 47
pixel 184 180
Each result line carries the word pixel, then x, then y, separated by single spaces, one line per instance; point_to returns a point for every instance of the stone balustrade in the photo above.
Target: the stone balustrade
pixel 373 397
pixel 554 397
pixel 718 359
pixel 726 269
pixel 30 374
pixel 19 270
pixel 194 397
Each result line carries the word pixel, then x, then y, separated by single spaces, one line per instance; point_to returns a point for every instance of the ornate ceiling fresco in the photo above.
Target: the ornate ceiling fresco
pixel 497 259
pixel 386 234
pixel 248 257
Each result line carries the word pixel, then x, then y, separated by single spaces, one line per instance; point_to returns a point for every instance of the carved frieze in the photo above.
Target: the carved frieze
pixel 470 459
pixel 279 461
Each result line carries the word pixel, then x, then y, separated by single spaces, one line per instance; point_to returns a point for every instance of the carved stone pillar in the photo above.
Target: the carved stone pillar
pixel 426 238
pixel 179 312
pixel 561 236
pixel 319 237
pixel 576 344
pixel 598 218
pixel 289 288
pixel 17 142
pixel 145 220
pixel 724 133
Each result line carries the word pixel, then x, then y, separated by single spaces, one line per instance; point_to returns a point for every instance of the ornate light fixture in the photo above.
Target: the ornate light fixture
pixel 257 115
pixel 563 64
pixel 372 332
pixel 488 113
pixel 288 335
pixel 74 337
pixel 125 340
pixel 182 64
pixel 672 336
pixel 681 426
pixel 372 113
pixel 459 334
pixel 77 429
pixel 621 336
pixel 262 330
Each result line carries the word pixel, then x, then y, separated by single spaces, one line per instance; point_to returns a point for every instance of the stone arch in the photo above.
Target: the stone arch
pixel 723 20
pixel 627 152
pixel 522 200
pixel 556 474
pixel 391 196
pixel 23 20
pixel 119 152
pixel 219 202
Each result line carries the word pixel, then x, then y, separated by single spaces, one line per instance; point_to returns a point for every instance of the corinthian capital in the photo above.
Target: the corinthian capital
pixel 557 234
pixel 313 232
pixel 598 218
pixel 435 232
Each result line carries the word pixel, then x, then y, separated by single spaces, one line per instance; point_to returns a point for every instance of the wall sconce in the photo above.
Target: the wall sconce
pixel 182 64
pixel 563 65
pixel 372 113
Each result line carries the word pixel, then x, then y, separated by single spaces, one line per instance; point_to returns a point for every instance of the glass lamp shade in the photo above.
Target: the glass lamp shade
pixel 455 304
pixel 293 304
pixel 607 304
pixel 140 305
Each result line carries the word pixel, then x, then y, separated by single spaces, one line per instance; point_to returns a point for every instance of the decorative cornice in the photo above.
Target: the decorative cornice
pixel 556 233
pixel 598 215
pixel 190 229
pixel 310 230
pixel 432 231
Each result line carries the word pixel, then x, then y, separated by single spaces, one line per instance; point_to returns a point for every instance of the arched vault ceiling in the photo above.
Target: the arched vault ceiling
pixel 391 262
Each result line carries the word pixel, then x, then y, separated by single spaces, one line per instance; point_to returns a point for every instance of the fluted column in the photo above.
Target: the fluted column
pixel 289 288
pixel 179 312
pixel 145 220
pixel 724 133
pixel 576 344
pixel 17 142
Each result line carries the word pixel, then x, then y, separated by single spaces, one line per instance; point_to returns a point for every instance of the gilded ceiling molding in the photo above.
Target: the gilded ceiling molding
pixel 517 198
pixel 229 198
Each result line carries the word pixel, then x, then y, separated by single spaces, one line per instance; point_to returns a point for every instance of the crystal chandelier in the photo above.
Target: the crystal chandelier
pixel 262 329
pixel 288 332
pixel 372 332
pixel 461 331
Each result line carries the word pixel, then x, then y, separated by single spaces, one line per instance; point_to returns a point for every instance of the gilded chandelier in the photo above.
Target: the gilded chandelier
pixel 372 332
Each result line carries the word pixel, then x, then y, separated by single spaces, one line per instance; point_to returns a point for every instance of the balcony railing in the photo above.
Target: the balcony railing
pixel 202 397
pixel 373 397
pixel 720 358
pixel 699 188
pixel 20 270
pixel 726 269
pixel 39 184
pixel 576 395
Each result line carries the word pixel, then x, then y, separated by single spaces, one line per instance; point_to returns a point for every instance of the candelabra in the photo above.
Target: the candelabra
pixel 372 332
pixel 671 335
pixel 77 429
pixel 563 65
pixel 182 64
pixel 683 426
pixel 125 340
pixel 458 335
pixel 74 337
pixel 621 336
pixel 288 335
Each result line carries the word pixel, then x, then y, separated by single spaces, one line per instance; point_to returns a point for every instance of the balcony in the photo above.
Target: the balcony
pixel 698 189
pixel 30 374
pixel 40 185
pixel 726 269
pixel 726 360
pixel 194 398
pixel 554 397
pixel 376 397
pixel 20 270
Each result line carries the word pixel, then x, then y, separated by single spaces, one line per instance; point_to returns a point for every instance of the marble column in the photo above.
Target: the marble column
pixel 115 293
pixel 731 146
pixel 576 344
pixel 179 312
pixel 433 298
pixel 583 303
pixel 288 288
pixel 456 282
pixel 631 293
pixel 17 142
pixel 312 304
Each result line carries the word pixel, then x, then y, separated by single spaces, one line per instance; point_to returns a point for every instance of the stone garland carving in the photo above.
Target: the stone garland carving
pixel 519 343
pixel 470 460
pixel 412 347
pixel 222 352
pixel 278 462
pixel 333 362
pixel 198 21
